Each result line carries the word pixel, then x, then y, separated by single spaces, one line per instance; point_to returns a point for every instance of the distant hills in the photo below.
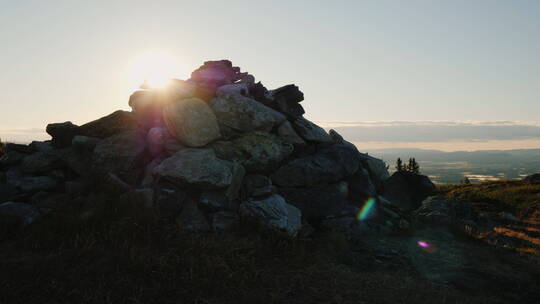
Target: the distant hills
pixel 451 167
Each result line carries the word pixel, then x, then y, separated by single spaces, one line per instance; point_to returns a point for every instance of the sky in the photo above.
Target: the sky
pixel 355 61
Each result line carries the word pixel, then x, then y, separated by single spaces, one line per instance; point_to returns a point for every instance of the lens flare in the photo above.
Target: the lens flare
pixel 423 244
pixel 366 210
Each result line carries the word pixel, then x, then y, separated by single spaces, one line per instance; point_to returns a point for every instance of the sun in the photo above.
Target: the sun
pixel 155 69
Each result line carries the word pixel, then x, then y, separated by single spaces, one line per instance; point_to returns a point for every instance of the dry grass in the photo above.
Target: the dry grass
pixel 123 254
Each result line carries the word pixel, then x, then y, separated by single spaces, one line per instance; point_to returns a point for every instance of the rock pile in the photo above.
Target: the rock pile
pixel 211 152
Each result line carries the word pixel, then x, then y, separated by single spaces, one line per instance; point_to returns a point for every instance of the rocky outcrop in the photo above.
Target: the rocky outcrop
pixel 211 153
pixel 407 190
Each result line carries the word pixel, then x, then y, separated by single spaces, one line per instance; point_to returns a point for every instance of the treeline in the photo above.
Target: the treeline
pixel 412 166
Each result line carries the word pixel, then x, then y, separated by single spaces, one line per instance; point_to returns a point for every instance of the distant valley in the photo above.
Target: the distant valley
pixel 451 167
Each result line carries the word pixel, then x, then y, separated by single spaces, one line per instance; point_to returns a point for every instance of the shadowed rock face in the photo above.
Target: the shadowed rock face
pixel 210 152
pixel 407 190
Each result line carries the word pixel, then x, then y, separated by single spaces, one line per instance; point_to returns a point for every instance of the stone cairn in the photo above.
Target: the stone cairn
pixel 210 153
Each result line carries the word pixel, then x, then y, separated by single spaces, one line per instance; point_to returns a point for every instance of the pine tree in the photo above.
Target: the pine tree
pixel 412 166
pixel 465 181
pixel 399 165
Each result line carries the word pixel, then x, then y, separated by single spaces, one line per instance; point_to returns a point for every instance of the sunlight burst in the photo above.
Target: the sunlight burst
pixel 154 69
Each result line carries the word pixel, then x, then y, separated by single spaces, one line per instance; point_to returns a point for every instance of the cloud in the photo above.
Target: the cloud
pixel 435 131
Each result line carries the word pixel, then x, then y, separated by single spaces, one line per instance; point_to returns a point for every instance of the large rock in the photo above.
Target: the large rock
pixel 245 114
pixel 360 187
pixel 257 185
pixel 11 158
pixel 224 220
pixel 192 219
pixel 62 133
pixel 40 162
pixel 377 168
pixel 112 124
pixel 273 214
pixel 257 151
pixel 234 88
pixel 192 122
pixel 35 183
pixel 317 202
pixel 407 190
pixel 18 214
pixel 441 211
pixel 286 100
pixel 84 143
pixel 532 179
pixel 198 168
pixel 120 154
pixel 217 73
pixel 310 131
pixel 327 166
pixel 289 135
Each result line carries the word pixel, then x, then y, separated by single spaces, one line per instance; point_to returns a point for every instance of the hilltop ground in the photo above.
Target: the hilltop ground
pixel 121 255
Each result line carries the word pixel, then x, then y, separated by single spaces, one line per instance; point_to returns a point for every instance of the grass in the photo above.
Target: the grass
pixel 124 254
pixel 517 197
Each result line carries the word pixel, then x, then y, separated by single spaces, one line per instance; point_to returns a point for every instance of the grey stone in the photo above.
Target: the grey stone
pixel 376 167
pixel 62 133
pixel 360 186
pixel 192 122
pixel 224 220
pixel 75 188
pixel 11 158
pixel 310 131
pixel 36 183
pixel 115 123
pixel 407 190
pixel 273 214
pixel 286 100
pixel 198 168
pixel 233 89
pixel 115 185
pixel 257 185
pixel 139 197
pixel 119 155
pixel 213 200
pixel 257 151
pixel 18 214
pixel 233 191
pixel 40 162
pixel 41 146
pixel 84 143
pixel 317 202
pixel 327 166
pixel 192 219
pixel 245 114
pixel 289 135
pixel 169 200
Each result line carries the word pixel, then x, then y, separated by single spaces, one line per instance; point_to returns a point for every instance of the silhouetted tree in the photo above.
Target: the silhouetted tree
pixel 399 165
pixel 465 181
pixel 413 166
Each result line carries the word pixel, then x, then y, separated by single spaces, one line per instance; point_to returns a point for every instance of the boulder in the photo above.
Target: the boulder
pixel 139 197
pixel 360 187
pixel 289 135
pixel 376 167
pixel 319 201
pixel 192 122
pixel 407 190
pixel 233 89
pixel 51 201
pixel 224 220
pixel 273 214
pixel 35 183
pixel 238 173
pixel 532 179
pixel 169 200
pixel 213 200
pixel 11 158
pixel 40 162
pixel 457 214
pixel 257 151
pixel 7 192
pixel 18 214
pixel 112 124
pixel 310 131
pixel 245 114
pixel 286 100
pixel 327 166
pixel 217 73
pixel 199 168
pixel 119 154
pixel 18 148
pixel 191 219
pixel 84 143
pixel 41 146
pixel 256 185
pixel 62 133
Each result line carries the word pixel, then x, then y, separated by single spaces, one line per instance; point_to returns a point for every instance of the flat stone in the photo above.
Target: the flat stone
pixel 198 168
pixel 245 114
pixel 192 122
pixel 289 135
pixel 107 126
pixel 310 131
pixel 257 151
pixel 273 214
pixel 62 133
pixel 40 162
